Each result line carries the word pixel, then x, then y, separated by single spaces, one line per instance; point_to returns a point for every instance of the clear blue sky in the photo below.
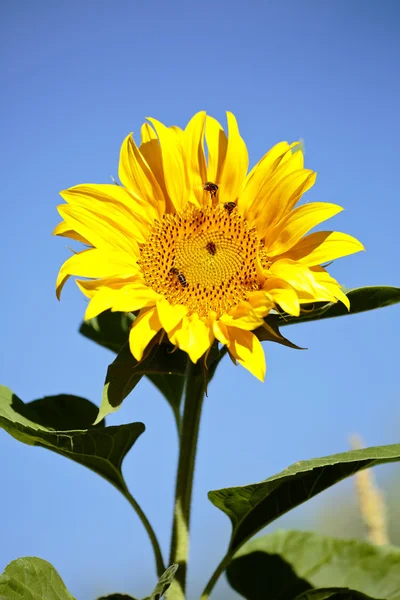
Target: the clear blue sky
pixel 76 77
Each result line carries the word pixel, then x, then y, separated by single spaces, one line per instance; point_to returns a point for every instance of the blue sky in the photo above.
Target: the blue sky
pixel 76 79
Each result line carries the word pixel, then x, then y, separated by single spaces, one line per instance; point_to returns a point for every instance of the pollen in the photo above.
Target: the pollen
pixel 205 259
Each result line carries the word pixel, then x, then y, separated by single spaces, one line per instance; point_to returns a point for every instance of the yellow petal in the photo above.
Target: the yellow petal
pixel 235 165
pixel 283 198
pixel 193 336
pixel 136 175
pixel 273 158
pixel 175 129
pixel 151 151
pixel 246 349
pixel 220 331
pixel 296 224
pixel 283 294
pixel 216 147
pixel 268 176
pixel 95 263
pixel 170 316
pixel 89 287
pixel 123 294
pixel 135 297
pixel 193 146
pixel 295 274
pixel 64 230
pixel 102 232
pixel 173 164
pixel 112 205
pixel 325 281
pixel 311 285
pixel 323 246
pixel 261 303
pixel 144 328
pixel 249 314
pixel 259 177
pixel 100 302
pixel 113 197
pixel 147 134
pixel 248 322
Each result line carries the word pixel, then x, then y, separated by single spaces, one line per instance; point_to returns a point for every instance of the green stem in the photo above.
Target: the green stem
pixel 215 576
pixel 194 394
pixel 150 531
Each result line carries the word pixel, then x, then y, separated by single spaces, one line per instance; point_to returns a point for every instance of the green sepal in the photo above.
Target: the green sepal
pixel 292 564
pixel 32 578
pixel 125 372
pixel 109 329
pixel 269 332
pixel 252 507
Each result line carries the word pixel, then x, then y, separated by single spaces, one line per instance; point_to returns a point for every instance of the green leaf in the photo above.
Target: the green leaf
pixel 32 579
pixel 116 597
pixel 252 507
pixel 333 594
pixel 109 329
pixel 99 448
pixel 164 582
pixel 125 373
pixel 62 412
pixel 361 300
pixel 289 563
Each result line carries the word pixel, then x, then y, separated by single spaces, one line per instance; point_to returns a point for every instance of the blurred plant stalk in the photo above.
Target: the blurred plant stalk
pixel 371 501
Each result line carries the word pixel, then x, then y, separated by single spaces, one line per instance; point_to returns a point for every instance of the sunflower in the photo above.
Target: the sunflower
pixel 201 247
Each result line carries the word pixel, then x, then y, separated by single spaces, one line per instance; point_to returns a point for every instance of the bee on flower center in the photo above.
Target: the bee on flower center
pixel 180 276
pixel 208 186
pixel 211 248
pixel 230 206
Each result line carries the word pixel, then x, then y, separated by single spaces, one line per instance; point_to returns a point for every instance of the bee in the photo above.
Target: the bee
pixel 208 186
pixel 211 248
pixel 229 206
pixel 180 276
pixel 182 279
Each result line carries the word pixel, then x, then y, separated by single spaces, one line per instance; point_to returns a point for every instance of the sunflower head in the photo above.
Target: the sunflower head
pixel 201 247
